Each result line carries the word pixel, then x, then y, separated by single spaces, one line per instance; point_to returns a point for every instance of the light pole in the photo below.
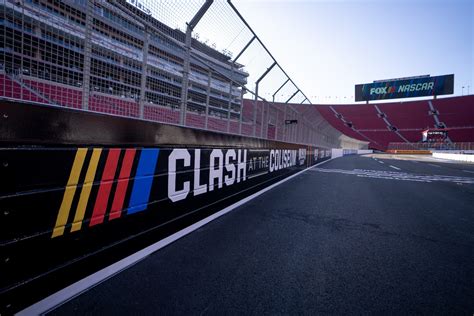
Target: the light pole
pixel 467 90
pixel 462 90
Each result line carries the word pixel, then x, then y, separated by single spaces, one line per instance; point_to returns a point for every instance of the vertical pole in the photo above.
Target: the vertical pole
pixel 276 122
pixel 20 75
pixel 230 98
pixel 255 111
pixel 208 97
pixel 87 56
pixel 241 109
pixel 185 81
pixel 142 99
pixel 187 58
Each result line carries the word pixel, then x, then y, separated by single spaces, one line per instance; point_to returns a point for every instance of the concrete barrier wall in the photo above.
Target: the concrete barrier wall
pixel 339 152
pixel 451 156
pixel 80 190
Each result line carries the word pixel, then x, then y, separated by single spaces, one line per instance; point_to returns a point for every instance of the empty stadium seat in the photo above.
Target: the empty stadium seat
pixel 408 114
pixel 362 116
pixel 112 105
pixel 12 89
pixel 57 94
pixel 456 112
pixel 195 120
pixel 160 114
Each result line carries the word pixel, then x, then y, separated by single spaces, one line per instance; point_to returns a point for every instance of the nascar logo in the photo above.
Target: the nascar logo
pixel 139 195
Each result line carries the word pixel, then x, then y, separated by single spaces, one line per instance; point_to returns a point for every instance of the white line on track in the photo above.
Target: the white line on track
pixel 468 171
pixel 381 162
pixel 434 165
pixel 68 293
pixel 395 167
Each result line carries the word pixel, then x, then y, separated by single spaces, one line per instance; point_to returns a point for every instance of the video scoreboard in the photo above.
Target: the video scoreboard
pixel 405 88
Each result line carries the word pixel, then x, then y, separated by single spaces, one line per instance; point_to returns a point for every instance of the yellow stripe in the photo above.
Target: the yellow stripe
pixel 86 190
pixel 69 192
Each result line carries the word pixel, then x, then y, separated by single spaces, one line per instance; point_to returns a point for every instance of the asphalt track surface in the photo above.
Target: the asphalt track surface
pixel 320 243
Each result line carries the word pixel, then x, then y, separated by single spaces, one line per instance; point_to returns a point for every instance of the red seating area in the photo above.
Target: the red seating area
pixel 337 123
pixel 362 116
pixel 115 106
pixel 410 118
pixel 12 89
pixel 247 110
pixel 195 120
pixel 456 112
pixel 383 137
pixel 234 127
pixel 247 129
pixel 217 124
pixel 461 134
pixel 60 95
pixel 271 133
pixel 160 114
pixel 409 114
pixel 412 136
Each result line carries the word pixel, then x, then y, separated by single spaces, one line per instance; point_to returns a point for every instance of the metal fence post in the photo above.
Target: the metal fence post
pixel 87 56
pixel 208 97
pixel 241 109
pixel 142 97
pixel 230 98
pixel 187 58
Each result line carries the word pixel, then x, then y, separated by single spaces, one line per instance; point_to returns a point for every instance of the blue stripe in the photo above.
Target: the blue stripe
pixel 143 181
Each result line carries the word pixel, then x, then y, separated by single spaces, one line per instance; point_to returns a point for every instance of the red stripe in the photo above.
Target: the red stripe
pixel 122 184
pixel 105 186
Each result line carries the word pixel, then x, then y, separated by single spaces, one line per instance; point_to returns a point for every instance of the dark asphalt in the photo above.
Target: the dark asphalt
pixel 321 243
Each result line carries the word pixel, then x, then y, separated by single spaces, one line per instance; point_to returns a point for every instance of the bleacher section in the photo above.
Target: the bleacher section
pixel 114 106
pixel 407 119
pixel 362 116
pixel 57 93
pixel 408 115
pixel 12 89
pixel 160 114
pixel 337 122
pixel 456 112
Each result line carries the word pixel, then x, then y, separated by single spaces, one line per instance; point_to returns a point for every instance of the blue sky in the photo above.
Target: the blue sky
pixel 329 46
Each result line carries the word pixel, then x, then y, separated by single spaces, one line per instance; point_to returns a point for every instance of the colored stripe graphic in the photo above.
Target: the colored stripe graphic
pixel 69 192
pixel 122 184
pixel 143 181
pixel 86 190
pixel 102 199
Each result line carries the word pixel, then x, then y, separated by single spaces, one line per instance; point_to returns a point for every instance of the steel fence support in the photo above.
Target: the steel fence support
pixel 241 109
pixel 256 98
pixel 142 97
pixel 87 56
pixel 208 97
pixel 187 58
pixel 293 95
pixel 244 49
pixel 278 90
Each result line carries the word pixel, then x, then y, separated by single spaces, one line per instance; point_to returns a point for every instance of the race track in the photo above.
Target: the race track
pixel 355 235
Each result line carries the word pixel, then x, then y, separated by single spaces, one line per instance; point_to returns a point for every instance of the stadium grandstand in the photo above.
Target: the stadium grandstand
pixel 45 53
pixel 400 125
pixel 50 58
